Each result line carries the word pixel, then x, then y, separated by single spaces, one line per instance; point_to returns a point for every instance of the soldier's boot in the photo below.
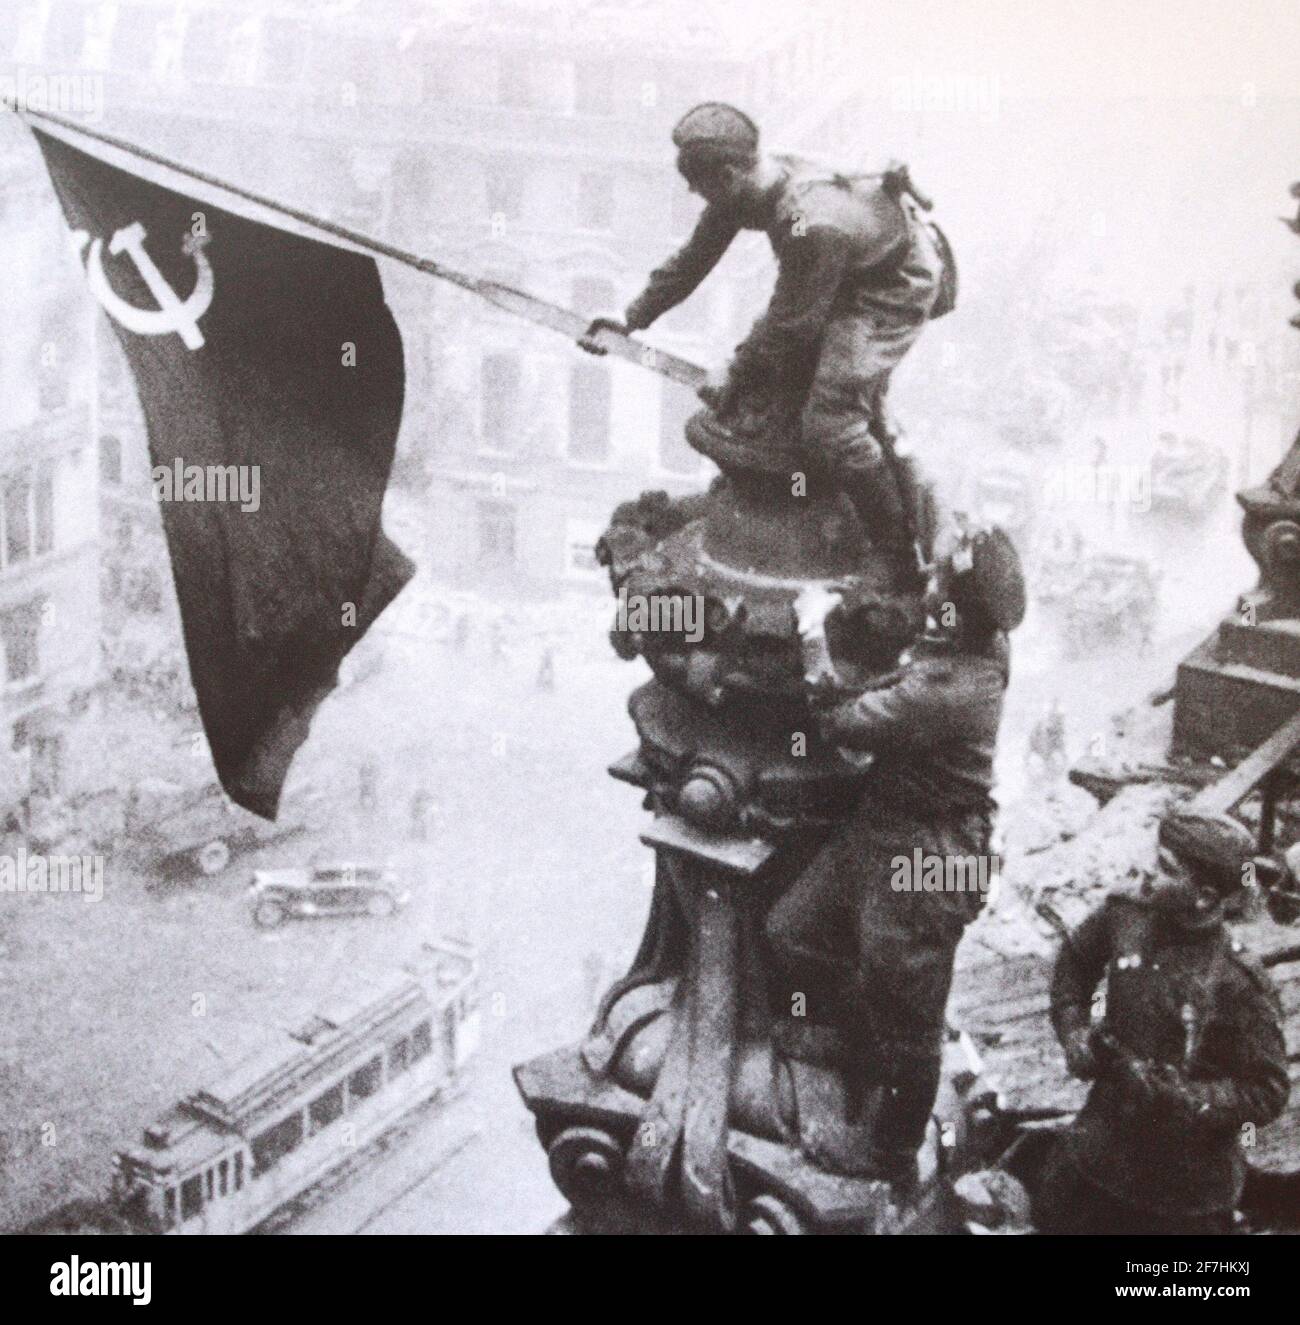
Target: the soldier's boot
pixel 902 1121
pixel 892 502
pixel 865 1067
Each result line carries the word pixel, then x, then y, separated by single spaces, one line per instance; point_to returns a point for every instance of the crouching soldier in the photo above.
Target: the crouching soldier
pixel 878 955
pixel 1189 1053
pixel 860 273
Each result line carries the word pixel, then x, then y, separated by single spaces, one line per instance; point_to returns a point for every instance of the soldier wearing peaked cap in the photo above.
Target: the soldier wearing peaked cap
pixel 860 272
pixel 877 957
pixel 1190 1051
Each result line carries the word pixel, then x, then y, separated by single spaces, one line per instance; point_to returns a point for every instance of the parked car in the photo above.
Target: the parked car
pixel 198 829
pixel 325 890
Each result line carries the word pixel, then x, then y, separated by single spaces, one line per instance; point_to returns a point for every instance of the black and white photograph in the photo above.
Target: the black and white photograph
pixel 641 617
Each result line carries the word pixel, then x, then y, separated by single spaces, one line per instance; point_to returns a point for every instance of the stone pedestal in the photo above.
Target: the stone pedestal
pixel 1242 682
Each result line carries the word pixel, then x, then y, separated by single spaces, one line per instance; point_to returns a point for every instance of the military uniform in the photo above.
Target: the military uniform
pixel 859 273
pixel 875 958
pixel 1158 1150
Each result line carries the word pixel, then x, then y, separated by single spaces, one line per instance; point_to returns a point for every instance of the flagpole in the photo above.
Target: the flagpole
pixel 507 297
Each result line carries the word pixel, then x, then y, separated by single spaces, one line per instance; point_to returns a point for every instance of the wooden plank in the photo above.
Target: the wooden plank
pixel 1221 796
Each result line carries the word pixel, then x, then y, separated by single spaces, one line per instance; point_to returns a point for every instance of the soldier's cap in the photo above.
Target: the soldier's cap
pixel 987 576
pixel 1215 845
pixel 714 133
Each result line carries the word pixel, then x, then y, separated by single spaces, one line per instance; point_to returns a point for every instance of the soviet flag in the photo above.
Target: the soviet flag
pixel 269 369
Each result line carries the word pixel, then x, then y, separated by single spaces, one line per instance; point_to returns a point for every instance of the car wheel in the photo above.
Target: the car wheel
pixel 269 914
pixel 212 858
pixel 381 904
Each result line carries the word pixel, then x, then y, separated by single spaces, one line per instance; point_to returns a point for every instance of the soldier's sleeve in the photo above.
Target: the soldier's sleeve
pixel 678 277
pixel 1258 1088
pixel 885 717
pixel 812 269
pixel 1079 967
pixel 926 707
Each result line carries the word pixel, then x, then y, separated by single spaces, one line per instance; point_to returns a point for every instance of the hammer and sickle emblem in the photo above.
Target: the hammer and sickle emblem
pixel 173 314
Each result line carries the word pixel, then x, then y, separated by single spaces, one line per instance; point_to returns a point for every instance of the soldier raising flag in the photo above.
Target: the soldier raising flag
pixel 860 272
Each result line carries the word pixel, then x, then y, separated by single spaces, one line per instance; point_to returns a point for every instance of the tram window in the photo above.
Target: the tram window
pixel 169 1207
pixel 326 1108
pixel 399 1057
pixel 191 1196
pixel 276 1142
pixel 223 1170
pixel 366 1080
pixel 421 1041
pixel 239 1169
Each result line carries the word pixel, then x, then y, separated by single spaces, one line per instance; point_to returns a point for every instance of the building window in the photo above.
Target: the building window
pixel 47 764
pixel 501 376
pixel 44 501
pixel 596 200
pixel 239 1169
pixel 363 1083
pixel 169 1207
pixel 16 518
pixel 496 534
pixel 223 1169
pixel 26 515
pixel 20 639
pixel 676 405
pixel 504 182
pixel 589 413
pixel 191 1196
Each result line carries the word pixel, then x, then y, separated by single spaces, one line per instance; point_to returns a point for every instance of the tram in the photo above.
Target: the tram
pixel 227 1156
